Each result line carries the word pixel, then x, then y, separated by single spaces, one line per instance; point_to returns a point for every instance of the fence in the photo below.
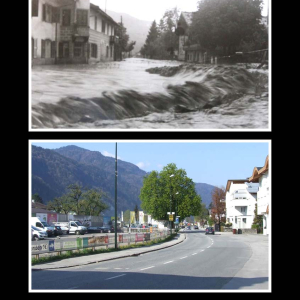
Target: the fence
pixel 60 245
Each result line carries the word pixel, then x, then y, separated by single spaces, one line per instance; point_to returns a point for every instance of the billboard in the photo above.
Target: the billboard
pixel 132 217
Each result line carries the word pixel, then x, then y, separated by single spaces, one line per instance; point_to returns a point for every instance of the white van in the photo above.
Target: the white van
pixel 37 233
pixel 73 227
pixel 42 225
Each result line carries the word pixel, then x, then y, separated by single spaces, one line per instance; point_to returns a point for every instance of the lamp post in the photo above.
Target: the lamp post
pixel 170 223
pixel 116 174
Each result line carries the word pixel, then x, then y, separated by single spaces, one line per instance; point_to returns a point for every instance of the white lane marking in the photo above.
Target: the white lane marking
pixel 118 268
pixel 115 277
pixel 147 268
pixel 168 262
pixel 183 257
pixel 101 268
pixel 194 253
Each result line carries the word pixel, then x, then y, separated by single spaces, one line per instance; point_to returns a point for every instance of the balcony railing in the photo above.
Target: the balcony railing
pixel 113 39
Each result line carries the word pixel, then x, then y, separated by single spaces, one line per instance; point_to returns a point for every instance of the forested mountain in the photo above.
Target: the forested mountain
pixel 54 170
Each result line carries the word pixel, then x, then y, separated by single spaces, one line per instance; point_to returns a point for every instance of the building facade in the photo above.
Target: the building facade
pixel 188 51
pixel 240 203
pixel 261 175
pixel 70 31
pixel 102 37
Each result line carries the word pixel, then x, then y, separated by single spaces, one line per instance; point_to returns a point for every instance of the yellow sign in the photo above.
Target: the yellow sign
pixel 170 217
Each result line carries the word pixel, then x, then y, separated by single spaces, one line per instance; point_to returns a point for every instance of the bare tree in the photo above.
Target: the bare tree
pixel 218 204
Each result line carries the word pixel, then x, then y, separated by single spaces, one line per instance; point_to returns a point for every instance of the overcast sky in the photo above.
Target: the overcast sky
pixel 205 162
pixel 149 10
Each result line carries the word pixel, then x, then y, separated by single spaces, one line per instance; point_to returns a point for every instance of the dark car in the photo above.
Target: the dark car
pixel 196 227
pixel 57 231
pixel 209 230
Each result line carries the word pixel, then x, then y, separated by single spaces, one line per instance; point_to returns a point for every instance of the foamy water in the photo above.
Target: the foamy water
pixel 123 95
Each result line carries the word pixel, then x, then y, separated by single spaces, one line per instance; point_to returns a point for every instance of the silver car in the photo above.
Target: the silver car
pixel 38 234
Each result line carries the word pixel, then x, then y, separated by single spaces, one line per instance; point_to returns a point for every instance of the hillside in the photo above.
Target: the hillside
pixel 54 170
pixel 137 29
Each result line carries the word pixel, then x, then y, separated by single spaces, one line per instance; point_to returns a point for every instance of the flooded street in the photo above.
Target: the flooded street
pixel 148 94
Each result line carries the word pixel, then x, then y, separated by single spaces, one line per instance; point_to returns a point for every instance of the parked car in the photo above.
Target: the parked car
pixel 58 230
pixel 38 234
pixel 196 227
pixel 93 229
pixel 209 230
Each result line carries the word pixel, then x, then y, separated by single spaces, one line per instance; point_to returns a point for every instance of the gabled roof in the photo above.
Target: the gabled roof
pixel 259 171
pixel 104 14
pixel 188 17
pixel 237 181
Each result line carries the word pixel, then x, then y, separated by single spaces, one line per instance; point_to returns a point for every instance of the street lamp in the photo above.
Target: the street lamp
pixel 170 206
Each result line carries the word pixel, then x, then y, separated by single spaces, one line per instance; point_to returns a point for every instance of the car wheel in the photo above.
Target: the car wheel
pixel 77 232
pixel 35 238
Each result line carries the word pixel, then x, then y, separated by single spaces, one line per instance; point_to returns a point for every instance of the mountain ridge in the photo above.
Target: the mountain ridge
pixel 53 170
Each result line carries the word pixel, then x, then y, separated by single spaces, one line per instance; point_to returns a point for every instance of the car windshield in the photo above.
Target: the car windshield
pixel 35 228
pixel 45 224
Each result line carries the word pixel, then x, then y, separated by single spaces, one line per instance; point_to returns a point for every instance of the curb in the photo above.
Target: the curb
pixel 112 258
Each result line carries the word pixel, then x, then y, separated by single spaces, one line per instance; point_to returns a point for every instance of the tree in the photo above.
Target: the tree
pixel 75 194
pixel 61 204
pixel 130 47
pixel 218 204
pixel 37 198
pixel 121 32
pixel 92 202
pixel 161 193
pixel 225 24
pixel 149 47
pixel 126 216
pixel 136 211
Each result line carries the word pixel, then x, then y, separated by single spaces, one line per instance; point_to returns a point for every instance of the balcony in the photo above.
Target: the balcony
pixel 113 40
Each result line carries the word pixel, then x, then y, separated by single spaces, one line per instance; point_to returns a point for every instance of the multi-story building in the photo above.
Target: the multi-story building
pixel 261 175
pixel 71 31
pixel 102 37
pixel 60 31
pixel 240 203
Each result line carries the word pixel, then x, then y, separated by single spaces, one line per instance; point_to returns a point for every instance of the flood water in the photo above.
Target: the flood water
pixel 169 95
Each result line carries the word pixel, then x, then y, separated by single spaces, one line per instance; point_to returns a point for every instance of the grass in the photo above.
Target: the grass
pixel 89 251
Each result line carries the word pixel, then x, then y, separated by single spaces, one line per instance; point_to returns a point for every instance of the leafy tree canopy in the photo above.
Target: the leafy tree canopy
pixel 161 193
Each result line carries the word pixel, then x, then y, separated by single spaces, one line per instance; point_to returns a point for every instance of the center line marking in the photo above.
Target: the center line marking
pixel 194 253
pixel 168 262
pixel 183 257
pixel 147 268
pixel 115 277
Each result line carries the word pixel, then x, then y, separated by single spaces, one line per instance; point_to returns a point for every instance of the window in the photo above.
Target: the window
pixel 63 49
pixel 103 26
pixel 47 13
pixel 55 15
pixel 35 8
pixel 244 220
pixel 82 16
pixel 66 17
pixel 111 51
pixel 95 23
pixel 78 49
pixel 243 209
pixel 94 50
pixel 107 51
pixel 43 48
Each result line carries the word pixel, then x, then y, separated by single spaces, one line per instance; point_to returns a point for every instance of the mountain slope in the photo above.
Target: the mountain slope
pixel 137 29
pixel 54 170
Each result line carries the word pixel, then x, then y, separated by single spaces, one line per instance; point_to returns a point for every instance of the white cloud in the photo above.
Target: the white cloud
pixel 105 153
pixel 143 165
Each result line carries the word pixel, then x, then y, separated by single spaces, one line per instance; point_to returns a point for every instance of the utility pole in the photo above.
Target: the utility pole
pixel 116 174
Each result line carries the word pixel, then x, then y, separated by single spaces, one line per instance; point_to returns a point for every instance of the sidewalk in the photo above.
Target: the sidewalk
pixel 90 259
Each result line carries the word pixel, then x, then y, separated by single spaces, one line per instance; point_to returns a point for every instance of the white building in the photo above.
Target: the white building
pixel 240 203
pixel 261 175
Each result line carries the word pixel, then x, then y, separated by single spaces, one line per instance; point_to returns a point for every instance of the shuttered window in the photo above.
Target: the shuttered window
pixel 66 17
pixel 94 50
pixel 82 16
pixel 35 8
pixel 43 48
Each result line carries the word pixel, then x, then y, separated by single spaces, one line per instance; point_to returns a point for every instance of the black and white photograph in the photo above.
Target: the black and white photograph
pixel 159 65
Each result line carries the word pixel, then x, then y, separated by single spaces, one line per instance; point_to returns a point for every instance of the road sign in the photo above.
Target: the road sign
pixel 170 217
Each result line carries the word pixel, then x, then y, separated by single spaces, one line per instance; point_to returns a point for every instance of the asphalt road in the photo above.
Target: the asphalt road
pixel 201 262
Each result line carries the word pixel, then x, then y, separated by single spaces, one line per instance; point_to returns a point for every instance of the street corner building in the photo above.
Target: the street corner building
pixel 71 32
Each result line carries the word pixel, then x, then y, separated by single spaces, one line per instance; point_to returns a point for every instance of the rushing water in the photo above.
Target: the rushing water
pixel 148 94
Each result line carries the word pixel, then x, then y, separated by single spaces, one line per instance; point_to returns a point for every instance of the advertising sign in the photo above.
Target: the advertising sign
pixel 42 217
pixel 170 217
pixel 132 217
pixel 69 244
pixel 106 221
pixel 40 247
pixel 51 218
pixel 139 237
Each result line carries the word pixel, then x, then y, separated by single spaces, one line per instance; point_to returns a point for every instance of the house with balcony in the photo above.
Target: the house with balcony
pixel 241 198
pixel 262 177
pixel 102 39
pixel 189 51
pixel 59 31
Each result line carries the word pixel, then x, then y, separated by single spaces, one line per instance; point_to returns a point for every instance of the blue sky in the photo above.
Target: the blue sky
pixel 204 161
